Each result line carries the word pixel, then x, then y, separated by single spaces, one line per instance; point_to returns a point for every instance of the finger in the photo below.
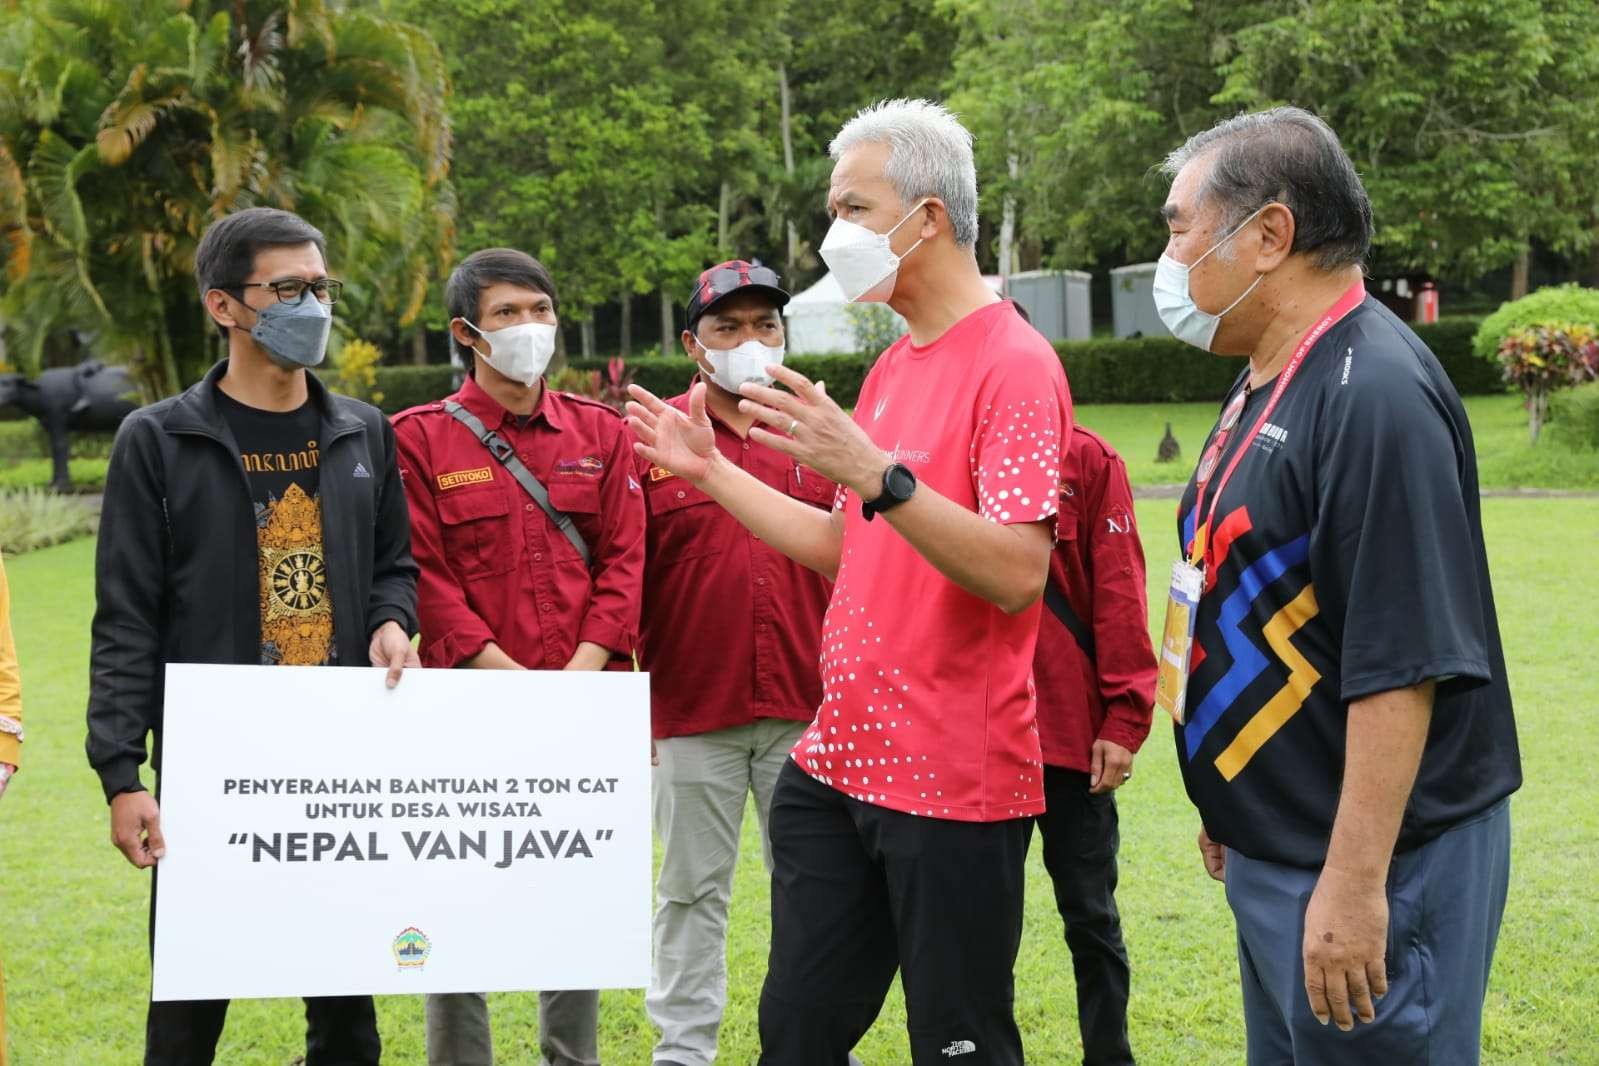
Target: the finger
pixel 786 445
pixel 641 415
pixel 1337 993
pixel 770 397
pixel 1377 978
pixel 1096 766
pixel 154 842
pixel 796 381
pixel 396 663
pixel 821 389
pixel 412 659
pixel 771 416
pixel 1360 995
pixel 696 404
pixel 646 434
pixel 133 850
pixel 1316 992
pixel 648 399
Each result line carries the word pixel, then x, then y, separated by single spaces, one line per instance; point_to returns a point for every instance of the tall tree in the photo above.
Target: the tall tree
pixel 126 128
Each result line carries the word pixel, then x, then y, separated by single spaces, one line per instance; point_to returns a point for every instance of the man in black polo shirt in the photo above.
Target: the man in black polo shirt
pixel 1346 726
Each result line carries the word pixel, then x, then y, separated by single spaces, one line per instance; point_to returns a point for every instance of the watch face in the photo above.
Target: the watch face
pixel 900 482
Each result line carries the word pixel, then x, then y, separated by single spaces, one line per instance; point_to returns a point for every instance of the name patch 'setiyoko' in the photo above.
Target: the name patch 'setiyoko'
pixel 456 478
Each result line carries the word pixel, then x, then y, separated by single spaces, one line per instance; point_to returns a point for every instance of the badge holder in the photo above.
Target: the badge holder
pixel 1177 639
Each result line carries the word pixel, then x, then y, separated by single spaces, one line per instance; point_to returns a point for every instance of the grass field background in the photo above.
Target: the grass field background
pixel 72 912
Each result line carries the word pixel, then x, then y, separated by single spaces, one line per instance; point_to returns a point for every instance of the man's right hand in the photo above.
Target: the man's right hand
pixel 683 444
pixel 6 770
pixel 1214 854
pixel 136 828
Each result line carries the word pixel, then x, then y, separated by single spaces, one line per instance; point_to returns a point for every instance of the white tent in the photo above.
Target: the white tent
pixel 818 323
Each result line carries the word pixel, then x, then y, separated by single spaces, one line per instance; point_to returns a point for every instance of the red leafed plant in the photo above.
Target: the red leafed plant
pixel 610 384
pixel 1542 359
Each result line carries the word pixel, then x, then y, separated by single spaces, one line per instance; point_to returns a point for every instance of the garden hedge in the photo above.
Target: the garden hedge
pixel 1102 370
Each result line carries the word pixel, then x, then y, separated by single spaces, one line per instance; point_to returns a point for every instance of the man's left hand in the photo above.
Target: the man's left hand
pixel 6 770
pixel 815 431
pixel 589 656
pixel 1110 767
pixel 1345 947
pixel 391 647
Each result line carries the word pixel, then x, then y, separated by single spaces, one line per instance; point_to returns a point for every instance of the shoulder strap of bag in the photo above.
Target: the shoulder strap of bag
pixel 1055 600
pixel 501 449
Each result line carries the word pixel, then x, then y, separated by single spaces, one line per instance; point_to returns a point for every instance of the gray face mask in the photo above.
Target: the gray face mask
pixel 294 335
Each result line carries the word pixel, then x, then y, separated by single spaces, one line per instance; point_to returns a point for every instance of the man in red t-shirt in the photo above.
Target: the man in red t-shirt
pixel 899 830
pixel 1095 671
pixel 730 636
pixel 504 584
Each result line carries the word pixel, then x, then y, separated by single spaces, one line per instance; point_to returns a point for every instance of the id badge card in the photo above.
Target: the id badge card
pixel 1177 639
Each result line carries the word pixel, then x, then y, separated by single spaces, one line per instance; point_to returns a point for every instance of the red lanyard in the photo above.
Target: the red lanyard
pixel 1346 303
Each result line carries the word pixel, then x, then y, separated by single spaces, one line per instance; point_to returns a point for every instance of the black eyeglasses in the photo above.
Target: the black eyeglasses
pixel 293 290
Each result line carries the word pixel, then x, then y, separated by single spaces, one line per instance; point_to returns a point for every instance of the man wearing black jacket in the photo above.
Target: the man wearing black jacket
pixel 254 519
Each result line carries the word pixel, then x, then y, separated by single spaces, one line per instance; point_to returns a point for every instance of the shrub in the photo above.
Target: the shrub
pixel 26 439
pixel 356 371
pixel 1552 305
pixel 1543 359
pixel 1574 416
pixel 87 475
pixel 35 518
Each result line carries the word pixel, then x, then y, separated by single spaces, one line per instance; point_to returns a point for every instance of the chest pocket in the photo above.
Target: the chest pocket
pixel 476 533
pixel 685 523
pixel 580 498
pixel 1071 513
pixel 811 487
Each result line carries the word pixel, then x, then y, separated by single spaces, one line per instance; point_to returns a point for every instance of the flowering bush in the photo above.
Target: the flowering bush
pixel 1542 359
pixel 357 366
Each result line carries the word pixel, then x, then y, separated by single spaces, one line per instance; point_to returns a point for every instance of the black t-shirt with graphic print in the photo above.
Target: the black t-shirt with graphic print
pixel 279 451
pixel 1346 560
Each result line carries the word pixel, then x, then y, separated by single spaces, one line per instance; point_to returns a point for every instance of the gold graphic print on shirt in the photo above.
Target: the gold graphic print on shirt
pixel 296 611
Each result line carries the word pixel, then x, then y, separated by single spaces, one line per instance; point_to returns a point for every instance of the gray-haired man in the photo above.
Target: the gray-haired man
pixel 1346 726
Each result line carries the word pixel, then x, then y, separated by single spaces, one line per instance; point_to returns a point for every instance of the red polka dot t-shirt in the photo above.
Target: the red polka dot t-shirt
pixel 927 702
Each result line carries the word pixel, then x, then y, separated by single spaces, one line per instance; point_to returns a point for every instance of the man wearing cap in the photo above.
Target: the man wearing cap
pixel 730 635
pixel 512 581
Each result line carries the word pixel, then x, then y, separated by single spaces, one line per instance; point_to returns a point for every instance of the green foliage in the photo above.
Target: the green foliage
pixel 1547 306
pixel 876 326
pixel 125 128
pixel 1574 417
pixel 24 438
pixel 35 518
pixel 86 475
pixel 356 371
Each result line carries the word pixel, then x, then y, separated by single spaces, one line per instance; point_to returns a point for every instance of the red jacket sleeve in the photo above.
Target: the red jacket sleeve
pixel 617 562
pixel 451 631
pixel 1125 658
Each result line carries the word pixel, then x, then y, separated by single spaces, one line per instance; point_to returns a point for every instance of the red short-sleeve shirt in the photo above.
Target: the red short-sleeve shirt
pixel 928 702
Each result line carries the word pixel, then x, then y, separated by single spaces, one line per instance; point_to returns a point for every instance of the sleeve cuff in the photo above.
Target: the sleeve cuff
pixel 390 614
pixel 606 635
pixel 119 776
pixel 1120 728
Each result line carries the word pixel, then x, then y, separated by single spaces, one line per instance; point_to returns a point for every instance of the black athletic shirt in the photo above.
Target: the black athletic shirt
pixel 1347 559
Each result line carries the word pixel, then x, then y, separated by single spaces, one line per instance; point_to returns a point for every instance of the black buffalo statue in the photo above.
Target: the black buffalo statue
pixel 87 398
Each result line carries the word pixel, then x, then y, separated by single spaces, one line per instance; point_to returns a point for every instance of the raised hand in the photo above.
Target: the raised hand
pixel 683 444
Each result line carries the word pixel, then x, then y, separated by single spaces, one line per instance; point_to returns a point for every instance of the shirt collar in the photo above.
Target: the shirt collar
pixel 473 397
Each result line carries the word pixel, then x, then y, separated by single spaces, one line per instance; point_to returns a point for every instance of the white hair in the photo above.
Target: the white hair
pixel 929 154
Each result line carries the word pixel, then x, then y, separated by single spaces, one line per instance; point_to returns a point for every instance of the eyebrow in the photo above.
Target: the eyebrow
pixel 1169 212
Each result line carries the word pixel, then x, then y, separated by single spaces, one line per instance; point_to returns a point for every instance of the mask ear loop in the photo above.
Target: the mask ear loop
pixel 468 323
pixel 1236 230
pixel 908 216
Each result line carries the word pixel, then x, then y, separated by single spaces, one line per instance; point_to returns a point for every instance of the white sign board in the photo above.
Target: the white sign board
pixel 467 831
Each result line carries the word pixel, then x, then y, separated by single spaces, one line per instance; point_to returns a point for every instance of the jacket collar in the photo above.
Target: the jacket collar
pixel 490 412
pixel 196 410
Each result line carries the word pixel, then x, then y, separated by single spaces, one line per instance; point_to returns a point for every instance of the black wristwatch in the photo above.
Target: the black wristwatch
pixel 898 485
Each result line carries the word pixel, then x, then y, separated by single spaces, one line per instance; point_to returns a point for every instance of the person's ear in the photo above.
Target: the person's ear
pixel 930 213
pixel 463 334
pixel 1276 237
pixel 219 305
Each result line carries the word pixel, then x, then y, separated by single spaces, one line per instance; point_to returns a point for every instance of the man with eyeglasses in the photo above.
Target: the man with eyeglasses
pixel 256 462
pixel 712 588
pixel 528 526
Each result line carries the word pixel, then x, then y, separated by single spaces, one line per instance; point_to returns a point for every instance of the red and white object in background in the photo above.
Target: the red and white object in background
pixel 1427 303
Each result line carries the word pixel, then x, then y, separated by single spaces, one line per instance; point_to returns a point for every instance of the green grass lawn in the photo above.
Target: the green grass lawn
pixel 1505 458
pixel 72 912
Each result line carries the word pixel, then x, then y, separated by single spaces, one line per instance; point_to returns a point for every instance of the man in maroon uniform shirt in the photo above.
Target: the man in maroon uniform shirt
pixel 507 582
pixel 1095 673
pixel 730 634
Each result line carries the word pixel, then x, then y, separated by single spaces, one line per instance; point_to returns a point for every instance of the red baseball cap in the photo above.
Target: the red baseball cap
pixel 724 279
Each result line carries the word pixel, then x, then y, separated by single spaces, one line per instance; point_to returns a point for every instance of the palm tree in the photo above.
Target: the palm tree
pixel 126 128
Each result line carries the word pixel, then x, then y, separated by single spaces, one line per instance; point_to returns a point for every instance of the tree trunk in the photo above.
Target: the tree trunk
pixel 419 345
pixel 627 325
pixel 788 165
pixel 724 208
pixel 1007 232
pixel 586 332
pixel 1519 274
pixel 668 333
pixel 1537 411
pixel 1593 263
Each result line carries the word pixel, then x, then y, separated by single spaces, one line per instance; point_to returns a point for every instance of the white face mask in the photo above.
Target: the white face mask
pixel 520 352
pixel 862 261
pixel 1176 304
pixel 732 367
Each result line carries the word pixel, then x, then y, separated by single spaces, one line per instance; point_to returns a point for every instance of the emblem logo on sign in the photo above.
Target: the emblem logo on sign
pixel 412 948
pixel 455 479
